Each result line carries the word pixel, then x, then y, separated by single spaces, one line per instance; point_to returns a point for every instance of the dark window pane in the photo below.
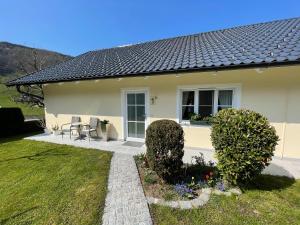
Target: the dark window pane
pixel 206 97
pixel 205 110
pixel 140 113
pixel 187 111
pixel 132 129
pixel 131 99
pixel 188 97
pixel 140 130
pixel 206 103
pixel 131 113
pixel 140 99
pixel 225 98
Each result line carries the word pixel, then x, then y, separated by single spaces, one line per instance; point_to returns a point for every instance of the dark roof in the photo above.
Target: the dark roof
pixel 259 44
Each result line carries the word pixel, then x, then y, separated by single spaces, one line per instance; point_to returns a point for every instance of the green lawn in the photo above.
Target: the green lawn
pixel 43 183
pixel 6 101
pixel 274 200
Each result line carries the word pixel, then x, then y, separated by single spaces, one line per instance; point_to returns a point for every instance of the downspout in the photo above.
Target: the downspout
pixel 284 124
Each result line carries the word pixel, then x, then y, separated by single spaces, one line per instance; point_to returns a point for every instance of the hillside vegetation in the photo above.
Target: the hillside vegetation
pixel 18 60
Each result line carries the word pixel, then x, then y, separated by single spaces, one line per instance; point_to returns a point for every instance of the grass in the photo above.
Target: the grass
pixel 6 101
pixel 43 183
pixel 272 200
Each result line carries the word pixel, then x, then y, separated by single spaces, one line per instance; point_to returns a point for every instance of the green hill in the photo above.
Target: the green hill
pixel 17 60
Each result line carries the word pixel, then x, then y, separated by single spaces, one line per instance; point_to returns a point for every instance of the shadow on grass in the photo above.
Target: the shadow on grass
pixel 37 156
pixel 6 220
pixel 17 137
pixel 269 183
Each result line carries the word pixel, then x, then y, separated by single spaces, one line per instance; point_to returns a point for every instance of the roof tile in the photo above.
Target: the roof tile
pixel 269 42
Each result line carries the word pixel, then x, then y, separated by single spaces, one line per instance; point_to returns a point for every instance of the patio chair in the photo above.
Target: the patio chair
pixel 91 127
pixel 74 125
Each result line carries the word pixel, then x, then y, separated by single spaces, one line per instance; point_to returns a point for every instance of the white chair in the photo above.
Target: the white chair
pixel 91 127
pixel 75 125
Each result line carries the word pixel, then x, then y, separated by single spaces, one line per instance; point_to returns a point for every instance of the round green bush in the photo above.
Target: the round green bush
pixel 244 142
pixel 165 142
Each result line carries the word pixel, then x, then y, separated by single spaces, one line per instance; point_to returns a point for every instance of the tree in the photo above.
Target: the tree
pixel 31 94
pixel 35 63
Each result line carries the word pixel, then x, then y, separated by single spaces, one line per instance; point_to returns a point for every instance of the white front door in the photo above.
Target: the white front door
pixel 135 115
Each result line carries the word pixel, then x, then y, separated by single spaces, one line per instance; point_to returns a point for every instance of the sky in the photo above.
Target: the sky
pixel 76 26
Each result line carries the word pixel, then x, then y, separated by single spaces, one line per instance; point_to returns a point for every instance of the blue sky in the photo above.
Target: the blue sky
pixel 74 27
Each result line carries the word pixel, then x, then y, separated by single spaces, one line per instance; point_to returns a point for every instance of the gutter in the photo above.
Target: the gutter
pixel 157 73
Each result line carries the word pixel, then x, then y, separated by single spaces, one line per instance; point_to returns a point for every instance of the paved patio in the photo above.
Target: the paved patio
pixel 112 146
pixel 281 167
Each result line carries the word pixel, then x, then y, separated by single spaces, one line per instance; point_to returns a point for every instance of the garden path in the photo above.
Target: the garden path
pixel 125 202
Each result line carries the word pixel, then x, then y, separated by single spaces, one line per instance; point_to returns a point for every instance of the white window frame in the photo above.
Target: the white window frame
pixel 236 98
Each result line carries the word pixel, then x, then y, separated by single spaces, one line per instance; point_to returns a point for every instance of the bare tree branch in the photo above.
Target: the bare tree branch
pixel 31 94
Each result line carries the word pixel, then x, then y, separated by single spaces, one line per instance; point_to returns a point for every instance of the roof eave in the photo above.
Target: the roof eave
pixel 157 73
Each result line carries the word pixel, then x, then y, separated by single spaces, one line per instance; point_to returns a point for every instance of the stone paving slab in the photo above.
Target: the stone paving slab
pixel 112 145
pixel 282 167
pixel 125 202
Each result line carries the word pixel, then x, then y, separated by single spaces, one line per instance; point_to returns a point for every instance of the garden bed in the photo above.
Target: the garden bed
pixel 268 200
pixel 190 190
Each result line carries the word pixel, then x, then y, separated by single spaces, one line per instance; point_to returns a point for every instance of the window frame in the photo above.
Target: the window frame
pixel 236 97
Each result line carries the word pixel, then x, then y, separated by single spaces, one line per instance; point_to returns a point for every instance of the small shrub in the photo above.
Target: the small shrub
pixel 32 127
pixel 150 177
pixel 244 142
pixel 210 178
pixel 165 141
pixel 141 160
pixel 199 160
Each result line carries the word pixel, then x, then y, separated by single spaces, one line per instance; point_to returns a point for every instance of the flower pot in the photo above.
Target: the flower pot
pixel 103 127
pixel 105 131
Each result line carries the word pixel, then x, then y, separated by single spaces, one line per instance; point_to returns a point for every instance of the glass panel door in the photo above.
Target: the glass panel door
pixel 136 115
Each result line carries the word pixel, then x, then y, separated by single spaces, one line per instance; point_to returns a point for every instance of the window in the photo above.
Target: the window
pixel 225 99
pixel 205 102
pixel 188 99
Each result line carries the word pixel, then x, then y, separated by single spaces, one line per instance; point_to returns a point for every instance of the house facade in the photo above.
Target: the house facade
pixel 252 67
pixel 131 104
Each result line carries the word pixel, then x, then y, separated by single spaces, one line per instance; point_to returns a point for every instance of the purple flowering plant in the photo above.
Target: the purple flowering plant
pixel 220 186
pixel 184 191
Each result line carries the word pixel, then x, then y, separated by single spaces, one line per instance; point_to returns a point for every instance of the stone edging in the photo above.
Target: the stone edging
pixel 195 203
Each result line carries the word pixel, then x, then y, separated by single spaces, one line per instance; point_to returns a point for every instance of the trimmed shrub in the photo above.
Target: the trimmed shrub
pixel 244 142
pixel 165 142
pixel 32 127
pixel 11 121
